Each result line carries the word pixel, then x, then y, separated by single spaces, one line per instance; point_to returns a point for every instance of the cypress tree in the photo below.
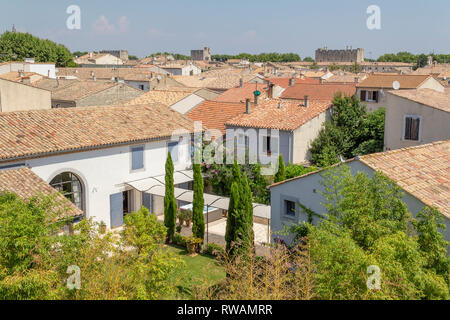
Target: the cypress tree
pixel 233 213
pixel 247 199
pixel 281 173
pixel 236 172
pixel 198 220
pixel 170 205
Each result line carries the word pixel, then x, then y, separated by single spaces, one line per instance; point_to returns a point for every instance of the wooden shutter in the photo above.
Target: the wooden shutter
pixel 116 209
pixel 147 201
pixel 415 124
pixel 137 158
pixel 363 95
pixel 408 128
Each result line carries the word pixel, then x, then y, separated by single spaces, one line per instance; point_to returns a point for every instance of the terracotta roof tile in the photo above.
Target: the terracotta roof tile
pixel 215 114
pixel 26 184
pixel 429 97
pixel 407 81
pixel 81 89
pixel 238 94
pixel 32 133
pixel 166 97
pixel 321 91
pixel 423 171
pixel 290 116
pixel 284 82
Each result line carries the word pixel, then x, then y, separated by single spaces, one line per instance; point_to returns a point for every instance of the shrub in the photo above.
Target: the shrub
pixel 214 249
pixel 179 240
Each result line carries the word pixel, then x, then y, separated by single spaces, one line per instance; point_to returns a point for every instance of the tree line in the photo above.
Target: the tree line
pixel 16 46
pixel 420 60
pixel 262 57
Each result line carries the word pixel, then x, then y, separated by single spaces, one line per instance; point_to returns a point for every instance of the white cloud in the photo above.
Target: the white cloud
pixel 124 24
pixel 102 26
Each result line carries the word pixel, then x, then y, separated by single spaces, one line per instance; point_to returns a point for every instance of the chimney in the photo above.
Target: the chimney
pixel 291 82
pixel 248 106
pixel 306 101
pixel 90 55
pixel 356 79
pixel 241 82
pixel 256 98
pixel 279 105
pixel 271 85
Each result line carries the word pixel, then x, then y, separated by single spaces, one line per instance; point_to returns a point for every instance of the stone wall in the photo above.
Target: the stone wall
pixel 347 55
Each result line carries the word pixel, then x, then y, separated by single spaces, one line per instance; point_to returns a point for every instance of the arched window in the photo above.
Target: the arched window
pixel 70 186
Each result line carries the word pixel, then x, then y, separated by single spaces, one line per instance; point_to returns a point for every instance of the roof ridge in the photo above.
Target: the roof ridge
pixel 421 146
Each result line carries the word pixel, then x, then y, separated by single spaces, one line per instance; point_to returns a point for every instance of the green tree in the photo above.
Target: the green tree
pixel 198 219
pixel 35 254
pixel 232 217
pixel 352 131
pixel 170 205
pixel 281 173
pixel 368 224
pixel 18 46
pixel 246 233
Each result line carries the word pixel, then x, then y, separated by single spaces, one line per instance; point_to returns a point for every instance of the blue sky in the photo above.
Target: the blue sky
pixel 232 26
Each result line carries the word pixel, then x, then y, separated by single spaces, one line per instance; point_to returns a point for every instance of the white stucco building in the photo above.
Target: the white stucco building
pixel 93 154
pixel 415 117
pixel 406 167
pixel 46 69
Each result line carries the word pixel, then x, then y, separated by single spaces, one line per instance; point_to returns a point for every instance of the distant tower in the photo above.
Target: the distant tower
pixel 13 29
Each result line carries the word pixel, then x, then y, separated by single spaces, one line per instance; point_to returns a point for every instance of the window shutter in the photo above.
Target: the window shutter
pixel 147 201
pixel 274 145
pixel 264 144
pixel 408 128
pixel 415 129
pixel 137 158
pixel 116 209
pixel 363 95
pixel 173 149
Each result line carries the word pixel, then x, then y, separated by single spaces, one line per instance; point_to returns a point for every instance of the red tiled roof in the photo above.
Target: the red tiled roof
pixel 284 82
pixel 289 117
pixel 407 81
pixel 215 114
pixel 38 132
pixel 26 184
pixel 238 94
pixel 321 91
pixel 423 171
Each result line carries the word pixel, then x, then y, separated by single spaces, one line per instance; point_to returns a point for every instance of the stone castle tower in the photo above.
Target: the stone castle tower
pixel 347 55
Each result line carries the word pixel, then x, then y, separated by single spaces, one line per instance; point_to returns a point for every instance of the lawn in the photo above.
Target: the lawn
pixel 196 270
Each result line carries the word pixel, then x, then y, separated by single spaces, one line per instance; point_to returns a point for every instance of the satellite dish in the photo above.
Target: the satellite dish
pixel 396 85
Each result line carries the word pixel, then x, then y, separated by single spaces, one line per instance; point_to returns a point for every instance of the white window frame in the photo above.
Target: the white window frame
pixel 414 116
